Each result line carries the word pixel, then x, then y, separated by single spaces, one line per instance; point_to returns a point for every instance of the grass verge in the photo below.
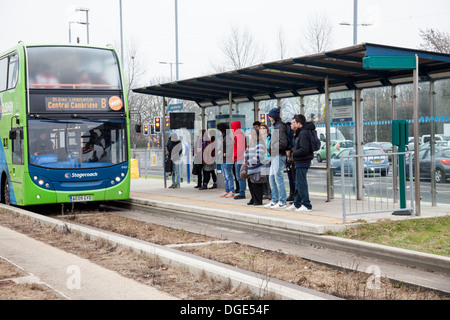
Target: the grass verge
pixel 430 235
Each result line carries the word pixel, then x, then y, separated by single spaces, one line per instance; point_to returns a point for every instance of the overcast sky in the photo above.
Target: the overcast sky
pixel 203 24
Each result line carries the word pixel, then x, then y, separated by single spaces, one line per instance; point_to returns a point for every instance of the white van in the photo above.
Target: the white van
pixel 423 139
pixel 335 134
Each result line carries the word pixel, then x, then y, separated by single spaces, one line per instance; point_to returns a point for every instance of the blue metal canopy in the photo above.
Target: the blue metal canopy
pixel 303 76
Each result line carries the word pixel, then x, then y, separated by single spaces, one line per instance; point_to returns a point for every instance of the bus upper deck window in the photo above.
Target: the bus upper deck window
pixel 78 68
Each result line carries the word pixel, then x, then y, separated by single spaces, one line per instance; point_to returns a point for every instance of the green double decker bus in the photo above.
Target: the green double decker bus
pixel 64 125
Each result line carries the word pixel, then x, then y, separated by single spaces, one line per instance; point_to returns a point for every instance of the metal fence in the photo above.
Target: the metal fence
pixel 377 190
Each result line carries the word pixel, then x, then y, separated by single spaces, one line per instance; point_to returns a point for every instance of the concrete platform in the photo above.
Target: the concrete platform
pixel 325 216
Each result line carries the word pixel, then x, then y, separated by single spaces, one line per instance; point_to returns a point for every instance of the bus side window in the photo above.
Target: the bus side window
pixel 3 74
pixel 17 145
pixel 13 73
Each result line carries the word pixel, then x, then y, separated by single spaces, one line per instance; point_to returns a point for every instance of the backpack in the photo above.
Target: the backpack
pixel 289 137
pixel 315 142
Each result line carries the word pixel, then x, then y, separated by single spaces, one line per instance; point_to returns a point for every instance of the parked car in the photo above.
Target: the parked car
pixel 375 162
pixel 441 160
pixel 386 147
pixel 422 140
pixel 336 146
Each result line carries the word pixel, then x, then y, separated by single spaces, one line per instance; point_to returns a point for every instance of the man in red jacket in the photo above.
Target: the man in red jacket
pixel 240 144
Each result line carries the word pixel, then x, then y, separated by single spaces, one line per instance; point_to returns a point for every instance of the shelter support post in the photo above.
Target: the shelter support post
pixel 432 144
pixel 416 138
pixel 327 141
pixel 359 147
pixel 163 138
pixel 255 110
pixel 203 119
pixel 394 149
pixel 230 101
pixel 302 105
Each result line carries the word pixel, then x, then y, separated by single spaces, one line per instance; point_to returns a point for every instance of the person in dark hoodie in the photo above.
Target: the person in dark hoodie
pixel 240 145
pixel 302 155
pixel 174 151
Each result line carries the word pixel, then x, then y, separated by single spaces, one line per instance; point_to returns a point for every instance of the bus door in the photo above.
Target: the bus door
pixel 16 170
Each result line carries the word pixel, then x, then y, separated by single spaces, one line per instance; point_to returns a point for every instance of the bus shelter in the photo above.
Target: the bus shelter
pixel 352 69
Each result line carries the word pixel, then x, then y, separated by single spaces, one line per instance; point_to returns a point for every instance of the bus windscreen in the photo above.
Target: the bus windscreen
pixel 72 68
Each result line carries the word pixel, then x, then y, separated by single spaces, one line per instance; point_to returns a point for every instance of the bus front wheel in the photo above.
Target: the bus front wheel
pixel 5 191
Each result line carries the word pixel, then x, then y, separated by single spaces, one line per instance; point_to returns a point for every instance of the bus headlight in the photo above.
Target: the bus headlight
pixel 117 179
pixel 41 182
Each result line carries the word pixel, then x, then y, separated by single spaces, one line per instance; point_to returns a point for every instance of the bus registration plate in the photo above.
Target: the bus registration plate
pixel 80 198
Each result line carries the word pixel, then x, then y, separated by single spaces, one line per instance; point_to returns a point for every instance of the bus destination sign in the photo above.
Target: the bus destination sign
pixel 83 103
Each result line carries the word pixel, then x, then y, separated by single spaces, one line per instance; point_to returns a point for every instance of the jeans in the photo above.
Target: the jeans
pixel 242 182
pixel 276 179
pixel 301 196
pixel 227 170
pixel 176 173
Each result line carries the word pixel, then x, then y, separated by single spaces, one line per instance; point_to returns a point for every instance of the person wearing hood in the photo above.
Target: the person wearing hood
pixel 302 155
pixel 240 145
pixel 278 145
pixel 174 151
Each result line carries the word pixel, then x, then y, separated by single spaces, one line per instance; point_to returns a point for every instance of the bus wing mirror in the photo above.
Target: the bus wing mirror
pixel 12 134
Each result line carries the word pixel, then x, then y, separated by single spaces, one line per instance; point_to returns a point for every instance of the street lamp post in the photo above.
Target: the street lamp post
pixel 80 22
pixel 86 23
pixel 355 22
pixel 171 63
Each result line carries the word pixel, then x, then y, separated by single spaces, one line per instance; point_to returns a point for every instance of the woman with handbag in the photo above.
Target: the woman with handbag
pixel 209 161
pixel 254 160
pixel 197 168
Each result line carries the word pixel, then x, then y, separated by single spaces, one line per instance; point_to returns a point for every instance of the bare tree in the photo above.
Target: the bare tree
pixel 318 35
pixel 241 50
pixel 435 40
pixel 282 46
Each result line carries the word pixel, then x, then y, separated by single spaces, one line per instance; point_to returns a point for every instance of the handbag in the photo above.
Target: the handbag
pixel 196 169
pixel 244 171
pixel 168 165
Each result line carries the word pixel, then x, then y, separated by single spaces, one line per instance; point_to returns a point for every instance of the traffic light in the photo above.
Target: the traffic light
pixel 152 129
pixel 167 123
pixel 146 129
pixel 157 124
pixel 262 118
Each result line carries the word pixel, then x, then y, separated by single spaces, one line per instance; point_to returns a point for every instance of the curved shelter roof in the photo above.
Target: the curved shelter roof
pixel 303 76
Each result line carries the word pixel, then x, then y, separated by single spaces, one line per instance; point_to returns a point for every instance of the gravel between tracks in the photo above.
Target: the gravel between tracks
pixel 178 282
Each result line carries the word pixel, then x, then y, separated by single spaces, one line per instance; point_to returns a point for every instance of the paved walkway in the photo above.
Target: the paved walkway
pixel 71 276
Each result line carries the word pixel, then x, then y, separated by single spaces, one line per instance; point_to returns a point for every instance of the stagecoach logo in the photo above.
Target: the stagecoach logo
pixel 69 175
pixel 115 103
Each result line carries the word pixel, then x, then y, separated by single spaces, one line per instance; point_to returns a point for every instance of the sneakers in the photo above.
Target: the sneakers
pixel 269 205
pixel 223 195
pixel 230 195
pixel 279 205
pixel 291 207
pixel 303 209
pixel 239 197
pixel 273 205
